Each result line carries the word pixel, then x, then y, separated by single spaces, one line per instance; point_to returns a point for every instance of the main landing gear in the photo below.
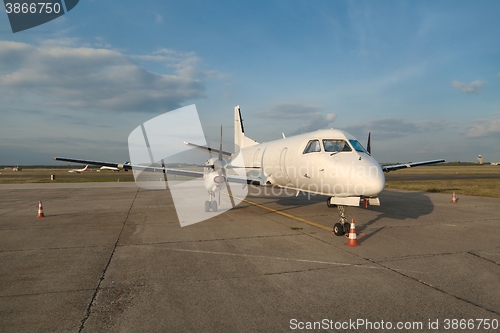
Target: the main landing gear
pixel 343 227
pixel 211 205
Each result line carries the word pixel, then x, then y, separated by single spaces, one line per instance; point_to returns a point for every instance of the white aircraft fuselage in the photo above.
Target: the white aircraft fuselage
pixel 327 162
pixel 285 162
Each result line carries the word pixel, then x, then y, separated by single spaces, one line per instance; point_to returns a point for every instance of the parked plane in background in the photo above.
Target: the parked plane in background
pixel 104 167
pixel 326 162
pixel 79 170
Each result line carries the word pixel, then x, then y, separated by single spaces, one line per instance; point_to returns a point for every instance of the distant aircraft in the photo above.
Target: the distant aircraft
pixel 326 162
pixel 79 170
pixel 104 167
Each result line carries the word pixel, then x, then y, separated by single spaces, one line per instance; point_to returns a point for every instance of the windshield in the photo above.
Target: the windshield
pixel 335 145
pixel 358 146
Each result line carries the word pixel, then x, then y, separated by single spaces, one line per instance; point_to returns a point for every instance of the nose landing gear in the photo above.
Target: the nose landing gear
pixel 211 205
pixel 341 228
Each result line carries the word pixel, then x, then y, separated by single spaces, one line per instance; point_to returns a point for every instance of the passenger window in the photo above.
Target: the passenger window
pixel 335 146
pixel 312 147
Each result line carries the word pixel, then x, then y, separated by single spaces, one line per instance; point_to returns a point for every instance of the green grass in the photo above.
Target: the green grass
pixel 478 187
pixel 37 175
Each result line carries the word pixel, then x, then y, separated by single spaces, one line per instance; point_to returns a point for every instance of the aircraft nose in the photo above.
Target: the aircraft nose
pixel 368 179
pixel 378 182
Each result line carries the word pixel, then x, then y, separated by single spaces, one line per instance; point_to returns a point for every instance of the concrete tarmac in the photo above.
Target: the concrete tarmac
pixel 110 257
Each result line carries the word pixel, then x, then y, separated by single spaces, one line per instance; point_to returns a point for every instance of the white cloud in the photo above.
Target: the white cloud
pixel 183 63
pixel 310 115
pixel 474 87
pixel 158 18
pixel 61 73
pixel 484 128
pixel 390 128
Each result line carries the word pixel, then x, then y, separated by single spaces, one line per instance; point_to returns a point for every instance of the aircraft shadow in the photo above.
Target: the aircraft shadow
pixel 397 205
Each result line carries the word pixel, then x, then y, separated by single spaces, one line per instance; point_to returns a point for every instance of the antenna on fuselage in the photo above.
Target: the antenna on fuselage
pixel 368 145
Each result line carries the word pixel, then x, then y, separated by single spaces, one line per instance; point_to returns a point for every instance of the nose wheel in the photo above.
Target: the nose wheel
pixel 211 205
pixel 343 227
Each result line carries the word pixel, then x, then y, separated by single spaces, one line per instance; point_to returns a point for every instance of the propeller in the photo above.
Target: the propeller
pixel 368 145
pixel 223 171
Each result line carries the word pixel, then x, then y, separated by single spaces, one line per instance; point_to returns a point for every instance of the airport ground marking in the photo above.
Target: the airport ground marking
pixel 300 219
pixel 275 258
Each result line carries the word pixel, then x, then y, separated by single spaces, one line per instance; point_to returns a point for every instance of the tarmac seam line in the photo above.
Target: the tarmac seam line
pixel 488 260
pixel 103 275
pixel 436 288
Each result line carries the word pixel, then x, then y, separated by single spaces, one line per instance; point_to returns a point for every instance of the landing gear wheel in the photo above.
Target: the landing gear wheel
pixel 207 206
pixel 338 229
pixel 330 205
pixel 347 227
pixel 214 206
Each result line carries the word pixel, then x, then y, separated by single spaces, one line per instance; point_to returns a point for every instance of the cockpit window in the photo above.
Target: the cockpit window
pixel 312 146
pixel 335 145
pixel 358 146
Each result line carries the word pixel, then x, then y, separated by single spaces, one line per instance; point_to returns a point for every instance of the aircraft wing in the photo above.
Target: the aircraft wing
pixel 177 172
pixel 389 168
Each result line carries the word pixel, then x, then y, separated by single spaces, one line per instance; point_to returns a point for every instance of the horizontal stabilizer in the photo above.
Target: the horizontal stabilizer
pixel 208 149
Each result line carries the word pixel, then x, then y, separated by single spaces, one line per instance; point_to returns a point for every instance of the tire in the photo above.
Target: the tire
pixel 347 227
pixel 207 206
pixel 338 229
pixel 214 206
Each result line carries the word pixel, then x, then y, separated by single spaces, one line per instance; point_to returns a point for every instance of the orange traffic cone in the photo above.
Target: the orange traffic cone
pixel 353 241
pixel 40 209
pixel 453 198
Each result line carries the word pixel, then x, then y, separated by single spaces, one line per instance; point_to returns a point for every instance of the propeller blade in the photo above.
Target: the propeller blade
pixel 368 145
pixel 220 147
pixel 228 188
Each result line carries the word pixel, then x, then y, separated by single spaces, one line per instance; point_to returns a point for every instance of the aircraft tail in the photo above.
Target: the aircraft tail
pixel 239 132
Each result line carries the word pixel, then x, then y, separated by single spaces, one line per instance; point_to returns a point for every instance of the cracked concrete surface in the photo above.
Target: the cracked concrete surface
pixel 114 259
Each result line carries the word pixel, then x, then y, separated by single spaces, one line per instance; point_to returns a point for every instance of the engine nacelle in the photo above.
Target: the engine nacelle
pixel 214 181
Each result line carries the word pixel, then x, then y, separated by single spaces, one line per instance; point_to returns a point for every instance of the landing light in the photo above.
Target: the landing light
pixel 219 179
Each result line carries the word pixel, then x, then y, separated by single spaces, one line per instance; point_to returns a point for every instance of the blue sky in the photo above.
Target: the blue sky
pixel 423 76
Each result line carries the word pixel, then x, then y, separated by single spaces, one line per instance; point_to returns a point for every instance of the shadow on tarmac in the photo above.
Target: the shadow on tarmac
pixel 398 206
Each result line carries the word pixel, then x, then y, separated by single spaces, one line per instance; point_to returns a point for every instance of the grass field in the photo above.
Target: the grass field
pixel 62 175
pixel 477 187
pixel 444 169
pixel 487 187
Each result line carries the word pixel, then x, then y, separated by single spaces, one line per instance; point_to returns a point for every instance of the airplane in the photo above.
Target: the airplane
pixel 328 162
pixel 104 167
pixel 79 170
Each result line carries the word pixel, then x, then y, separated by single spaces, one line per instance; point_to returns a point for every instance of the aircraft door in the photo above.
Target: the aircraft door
pixel 283 165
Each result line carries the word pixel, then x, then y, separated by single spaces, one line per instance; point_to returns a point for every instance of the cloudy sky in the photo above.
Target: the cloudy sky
pixel 422 76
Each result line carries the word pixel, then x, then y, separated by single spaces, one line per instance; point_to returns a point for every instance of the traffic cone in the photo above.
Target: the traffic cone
pixel 353 241
pixel 453 198
pixel 40 209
